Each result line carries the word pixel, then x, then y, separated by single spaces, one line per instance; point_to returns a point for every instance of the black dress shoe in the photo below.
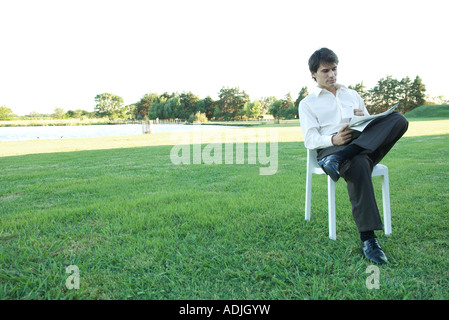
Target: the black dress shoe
pixel 331 166
pixel 373 252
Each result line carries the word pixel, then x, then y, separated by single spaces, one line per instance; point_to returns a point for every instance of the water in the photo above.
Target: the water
pixel 86 131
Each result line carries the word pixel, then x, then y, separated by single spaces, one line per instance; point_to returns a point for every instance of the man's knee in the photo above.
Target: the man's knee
pixel 401 120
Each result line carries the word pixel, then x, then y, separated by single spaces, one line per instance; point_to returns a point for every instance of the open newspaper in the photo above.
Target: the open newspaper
pixel 359 123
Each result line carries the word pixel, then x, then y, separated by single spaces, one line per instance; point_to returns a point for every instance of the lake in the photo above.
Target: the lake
pixel 86 131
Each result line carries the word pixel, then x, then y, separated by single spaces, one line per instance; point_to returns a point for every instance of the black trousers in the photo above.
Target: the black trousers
pixel 377 139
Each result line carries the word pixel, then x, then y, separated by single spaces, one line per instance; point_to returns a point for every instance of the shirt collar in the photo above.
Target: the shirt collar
pixel 318 90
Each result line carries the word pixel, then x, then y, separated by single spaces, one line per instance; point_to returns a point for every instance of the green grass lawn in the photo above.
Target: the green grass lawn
pixel 429 112
pixel 139 227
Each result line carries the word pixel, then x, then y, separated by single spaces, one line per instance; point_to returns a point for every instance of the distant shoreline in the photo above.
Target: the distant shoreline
pixel 64 122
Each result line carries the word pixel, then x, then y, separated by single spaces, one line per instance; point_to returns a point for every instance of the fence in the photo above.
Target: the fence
pixel 147 125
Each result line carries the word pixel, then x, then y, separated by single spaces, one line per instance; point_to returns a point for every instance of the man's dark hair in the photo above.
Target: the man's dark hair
pixel 323 55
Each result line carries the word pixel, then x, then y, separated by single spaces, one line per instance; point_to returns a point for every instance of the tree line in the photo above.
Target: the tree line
pixel 232 104
pixel 389 91
pixel 235 104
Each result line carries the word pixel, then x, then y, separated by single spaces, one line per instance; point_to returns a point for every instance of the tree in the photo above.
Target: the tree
pixel 284 108
pixel 275 108
pixel 167 110
pixel 189 102
pixel 78 113
pixel 5 113
pixel 287 107
pixel 157 108
pixel 143 106
pixel 130 111
pixel 177 107
pixel 35 114
pixel 199 106
pixel 218 114
pixel 417 93
pixel 252 110
pixel 198 117
pixel 266 104
pixel 209 106
pixel 231 102
pixel 302 94
pixel 109 105
pixel 390 91
pixel 404 94
pixel 59 113
pixel 361 90
pixel 383 95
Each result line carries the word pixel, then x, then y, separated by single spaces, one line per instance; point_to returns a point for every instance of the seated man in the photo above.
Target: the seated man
pixel 324 116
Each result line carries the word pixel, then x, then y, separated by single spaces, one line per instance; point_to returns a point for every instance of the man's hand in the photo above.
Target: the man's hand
pixel 343 136
pixel 358 112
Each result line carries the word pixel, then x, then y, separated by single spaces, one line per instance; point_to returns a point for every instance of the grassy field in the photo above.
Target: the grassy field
pixel 139 227
pixel 288 131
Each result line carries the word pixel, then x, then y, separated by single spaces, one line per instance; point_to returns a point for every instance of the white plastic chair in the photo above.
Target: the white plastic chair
pixel 314 168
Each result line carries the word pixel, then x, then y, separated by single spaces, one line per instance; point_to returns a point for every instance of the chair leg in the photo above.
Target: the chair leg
pixel 386 203
pixel 308 195
pixel 331 205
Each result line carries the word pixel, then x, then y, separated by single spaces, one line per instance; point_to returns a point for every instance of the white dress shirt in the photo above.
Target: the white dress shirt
pixel 321 114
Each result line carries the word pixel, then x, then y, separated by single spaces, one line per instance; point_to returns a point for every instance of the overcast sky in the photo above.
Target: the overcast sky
pixel 61 54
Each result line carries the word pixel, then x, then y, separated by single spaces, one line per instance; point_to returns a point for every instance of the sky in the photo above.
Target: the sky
pixel 61 53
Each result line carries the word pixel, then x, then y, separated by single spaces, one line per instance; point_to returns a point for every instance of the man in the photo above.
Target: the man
pixel 324 116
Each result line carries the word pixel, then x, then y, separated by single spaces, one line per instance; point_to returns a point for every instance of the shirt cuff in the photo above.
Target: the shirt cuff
pixel 327 141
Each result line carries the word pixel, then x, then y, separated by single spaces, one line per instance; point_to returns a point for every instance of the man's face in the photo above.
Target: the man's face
pixel 326 76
